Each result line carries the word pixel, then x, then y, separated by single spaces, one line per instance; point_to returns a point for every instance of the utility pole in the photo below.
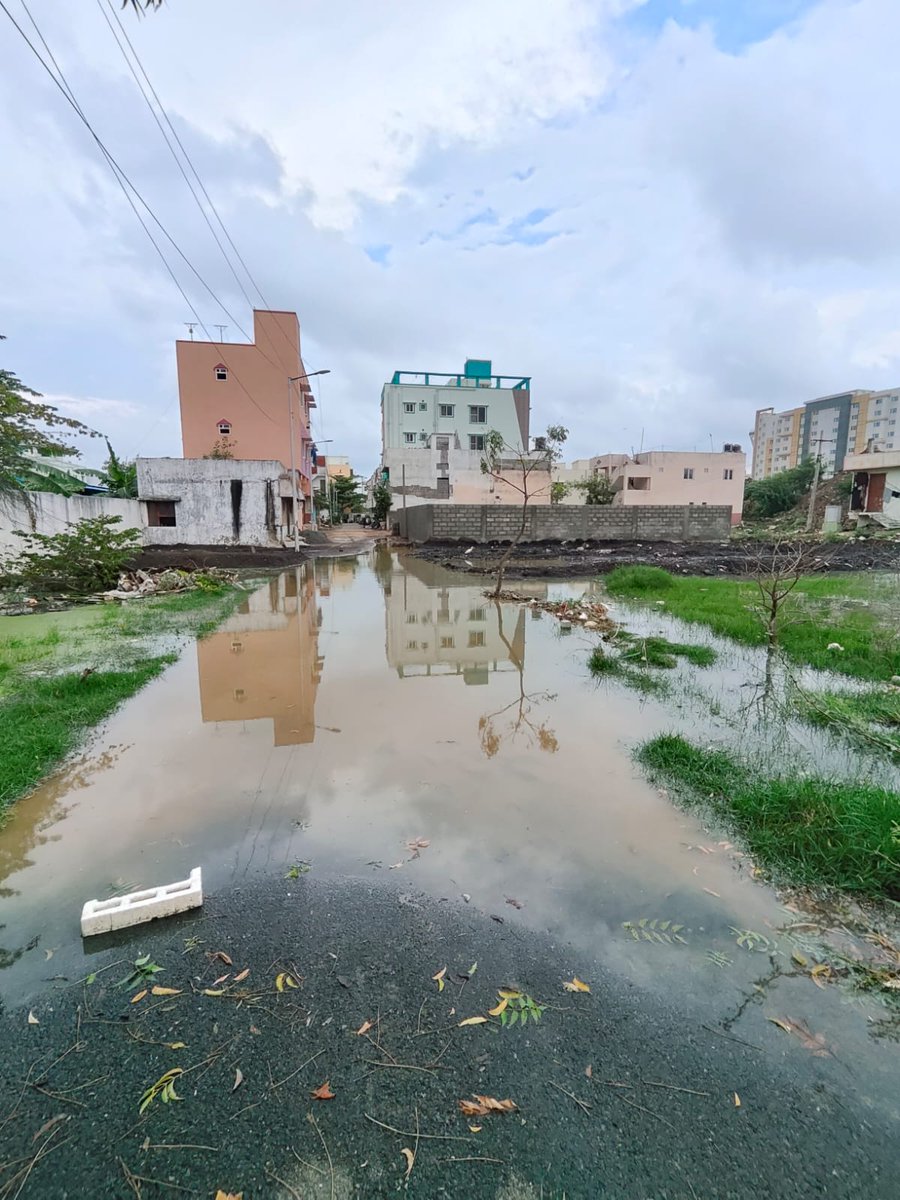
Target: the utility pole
pixel 295 379
pixel 190 325
pixel 221 329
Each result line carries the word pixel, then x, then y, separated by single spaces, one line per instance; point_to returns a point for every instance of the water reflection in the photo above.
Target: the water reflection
pixel 264 662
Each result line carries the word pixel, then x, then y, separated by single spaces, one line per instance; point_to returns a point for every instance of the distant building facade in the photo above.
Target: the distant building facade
pixel 875 499
pixel 663 477
pixel 234 399
pixel 433 430
pixel 832 426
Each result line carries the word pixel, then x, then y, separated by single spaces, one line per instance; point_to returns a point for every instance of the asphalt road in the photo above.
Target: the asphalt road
pixel 618 1093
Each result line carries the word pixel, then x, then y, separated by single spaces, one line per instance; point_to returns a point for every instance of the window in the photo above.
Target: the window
pixel 409 406
pixel 476 441
pixel 412 619
pixel 221 371
pixel 224 428
pixel 412 645
pixel 476 614
pixel 728 473
pixel 443 488
pixel 409 438
pixel 447 643
pixel 688 472
pixel 476 637
pixel 161 513
pixel 478 414
pixel 446 410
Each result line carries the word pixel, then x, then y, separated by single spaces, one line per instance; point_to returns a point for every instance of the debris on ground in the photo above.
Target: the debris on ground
pixel 137 584
pixel 589 614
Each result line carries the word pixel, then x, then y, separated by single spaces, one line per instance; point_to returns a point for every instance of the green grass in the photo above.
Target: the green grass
pixel 660 652
pixel 869 718
pixel 609 666
pixel 49 717
pixel 822 610
pixel 813 831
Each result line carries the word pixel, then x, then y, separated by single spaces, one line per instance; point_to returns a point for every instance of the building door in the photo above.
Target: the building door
pixel 875 497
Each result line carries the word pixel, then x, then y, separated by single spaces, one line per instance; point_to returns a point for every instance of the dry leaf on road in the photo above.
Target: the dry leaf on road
pixel 220 1195
pixel 737 1100
pixel 238 1079
pixel 414 845
pixel 474 1021
pixel 222 957
pixel 364 1028
pixel 814 1042
pixel 575 985
pixel 164 991
pixel 138 996
pixel 323 1092
pixel 221 979
pixel 410 1160
pixel 32 1019
pixel 495 1012
pixel 439 978
pixel 481 1106
pixel 243 975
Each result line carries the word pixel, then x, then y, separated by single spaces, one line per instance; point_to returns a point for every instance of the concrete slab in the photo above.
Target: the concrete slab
pixel 103 916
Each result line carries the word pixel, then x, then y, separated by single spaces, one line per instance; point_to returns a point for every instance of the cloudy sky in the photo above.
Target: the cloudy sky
pixel 667 212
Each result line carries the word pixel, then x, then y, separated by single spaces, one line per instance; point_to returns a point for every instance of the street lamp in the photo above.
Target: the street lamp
pixel 296 379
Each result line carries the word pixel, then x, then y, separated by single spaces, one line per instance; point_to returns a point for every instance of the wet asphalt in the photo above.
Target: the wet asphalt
pixel 619 1092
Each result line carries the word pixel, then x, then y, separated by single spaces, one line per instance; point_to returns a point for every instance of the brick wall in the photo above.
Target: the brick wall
pixel 548 523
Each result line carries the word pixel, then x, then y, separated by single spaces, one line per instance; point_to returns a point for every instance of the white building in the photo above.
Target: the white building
pixel 433 429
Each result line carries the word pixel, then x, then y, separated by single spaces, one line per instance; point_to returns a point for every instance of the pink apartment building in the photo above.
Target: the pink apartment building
pixel 234 398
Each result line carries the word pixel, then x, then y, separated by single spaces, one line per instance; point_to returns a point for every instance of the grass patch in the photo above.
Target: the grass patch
pixel 815 831
pixel 869 718
pixel 822 610
pixel 48 718
pixel 660 652
pixel 608 666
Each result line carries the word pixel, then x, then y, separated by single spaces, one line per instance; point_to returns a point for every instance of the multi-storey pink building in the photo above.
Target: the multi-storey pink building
pixel 237 399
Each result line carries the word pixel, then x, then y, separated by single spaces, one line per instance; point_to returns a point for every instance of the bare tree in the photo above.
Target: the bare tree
pixel 491 735
pixel 776 570
pixel 515 467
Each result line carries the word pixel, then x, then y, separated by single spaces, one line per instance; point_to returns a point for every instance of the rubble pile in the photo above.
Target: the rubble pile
pixel 134 585
pixel 588 614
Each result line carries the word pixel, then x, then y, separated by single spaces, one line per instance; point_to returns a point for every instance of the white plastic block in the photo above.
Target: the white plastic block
pixel 102 916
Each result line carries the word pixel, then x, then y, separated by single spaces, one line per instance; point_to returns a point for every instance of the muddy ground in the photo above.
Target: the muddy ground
pixel 560 560
pixel 618 1093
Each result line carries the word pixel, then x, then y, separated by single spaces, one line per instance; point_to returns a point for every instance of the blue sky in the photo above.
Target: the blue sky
pixel 666 213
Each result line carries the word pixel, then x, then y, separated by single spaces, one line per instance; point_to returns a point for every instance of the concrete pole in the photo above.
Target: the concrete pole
pixel 293 470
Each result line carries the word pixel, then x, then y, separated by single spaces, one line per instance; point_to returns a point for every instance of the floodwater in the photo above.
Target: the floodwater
pixel 356 704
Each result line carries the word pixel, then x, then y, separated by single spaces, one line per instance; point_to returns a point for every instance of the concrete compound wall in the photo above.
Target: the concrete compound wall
pixel 217 501
pixel 44 512
pixel 483 523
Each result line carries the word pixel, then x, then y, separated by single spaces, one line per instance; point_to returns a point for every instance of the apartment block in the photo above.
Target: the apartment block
pixel 245 400
pixel 663 477
pixel 433 430
pixel 831 427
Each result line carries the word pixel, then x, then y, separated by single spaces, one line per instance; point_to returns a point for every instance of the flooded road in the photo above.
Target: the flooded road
pixel 355 705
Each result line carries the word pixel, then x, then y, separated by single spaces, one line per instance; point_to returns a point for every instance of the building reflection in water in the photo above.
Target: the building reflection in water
pixel 264 662
pixel 435 630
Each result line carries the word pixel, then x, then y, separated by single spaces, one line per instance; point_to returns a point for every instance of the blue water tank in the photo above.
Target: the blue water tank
pixel 478 368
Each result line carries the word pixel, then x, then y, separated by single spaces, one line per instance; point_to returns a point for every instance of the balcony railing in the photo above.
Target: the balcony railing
pixel 443 379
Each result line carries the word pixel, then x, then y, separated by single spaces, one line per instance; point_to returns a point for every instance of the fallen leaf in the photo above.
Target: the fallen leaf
pixel 323 1092
pixel 220 1195
pixel 285 980
pixel 481 1106
pixel 48 954
pixel 410 1159
pixel 32 1019
pixel 512 901
pixel 820 969
pixel 710 892
pixel 495 1012
pixel 494 917
pixel 474 1021
pixel 48 1125
pixel 238 1079
pixel 177 1045
pixel 575 985
pixel 221 979
pixel 395 866
pixel 243 975
pixel 475 1129
pixel 417 844
pixel 799 959
pixel 213 992
pixel 814 1042
pixel 509 994
pixel 364 1028
pixel 222 957
pixel 737 1100
pixel 471 971
pixel 164 991
pixel 138 996
pixel 589 1071
pixel 439 978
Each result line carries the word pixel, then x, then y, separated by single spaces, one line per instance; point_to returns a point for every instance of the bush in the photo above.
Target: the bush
pixel 629 581
pixel 86 557
pixel 776 494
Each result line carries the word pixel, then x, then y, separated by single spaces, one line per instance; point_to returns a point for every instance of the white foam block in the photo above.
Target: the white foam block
pixel 103 916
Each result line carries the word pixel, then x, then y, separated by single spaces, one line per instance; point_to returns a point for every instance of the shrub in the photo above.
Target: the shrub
pixel 628 581
pixel 776 494
pixel 86 557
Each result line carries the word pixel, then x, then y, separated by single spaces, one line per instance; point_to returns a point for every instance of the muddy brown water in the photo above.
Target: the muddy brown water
pixel 354 705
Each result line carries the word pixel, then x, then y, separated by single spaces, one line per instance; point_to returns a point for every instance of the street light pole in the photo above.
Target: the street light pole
pixel 296 379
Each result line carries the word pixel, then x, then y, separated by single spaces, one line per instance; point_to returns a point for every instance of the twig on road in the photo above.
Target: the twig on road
pixel 325 1148
pixel 585 1107
pixel 436 1137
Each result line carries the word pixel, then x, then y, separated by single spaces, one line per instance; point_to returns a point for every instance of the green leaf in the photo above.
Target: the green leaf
pixel 91 977
pixel 514 1017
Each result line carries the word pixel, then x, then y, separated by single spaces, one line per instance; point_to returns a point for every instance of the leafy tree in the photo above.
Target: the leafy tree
pixel 597 490
pixel 30 431
pixel 381 494
pixel 223 448
pixel 777 493
pixel 516 467
pixel 120 477
pixel 559 491
pixel 85 557
pixel 342 497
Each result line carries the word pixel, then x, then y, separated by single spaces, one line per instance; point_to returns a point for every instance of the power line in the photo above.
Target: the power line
pixel 195 173
pixel 122 179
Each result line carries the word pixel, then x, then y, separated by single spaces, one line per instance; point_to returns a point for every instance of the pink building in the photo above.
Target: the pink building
pixel 234 398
